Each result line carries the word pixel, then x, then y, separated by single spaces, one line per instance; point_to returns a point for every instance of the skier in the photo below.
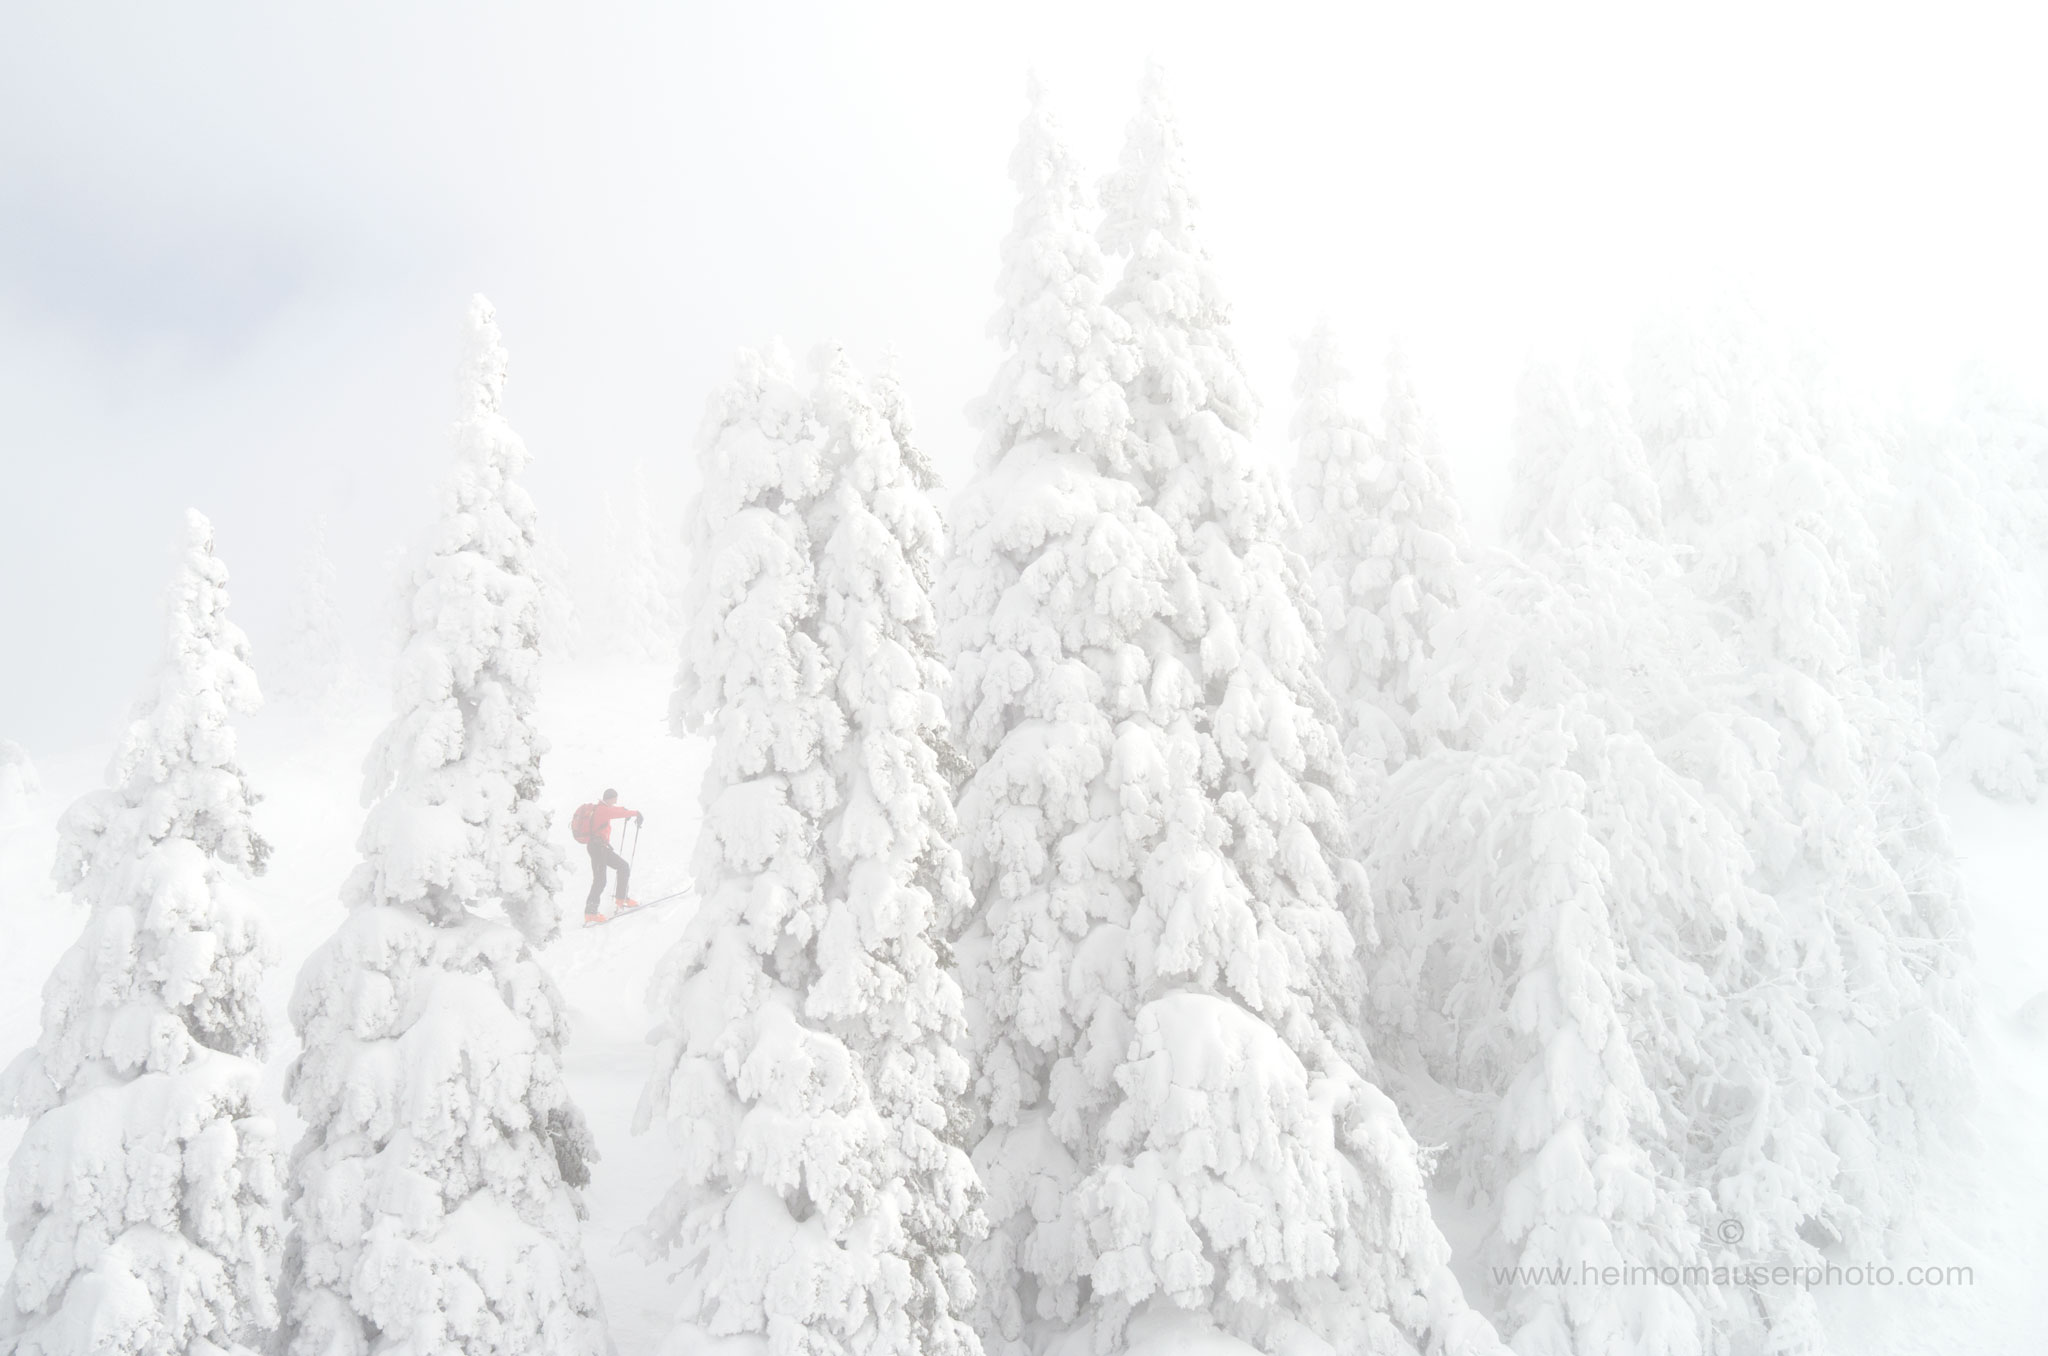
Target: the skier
pixel 592 826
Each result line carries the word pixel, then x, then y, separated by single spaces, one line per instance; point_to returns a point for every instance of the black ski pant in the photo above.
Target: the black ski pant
pixel 602 856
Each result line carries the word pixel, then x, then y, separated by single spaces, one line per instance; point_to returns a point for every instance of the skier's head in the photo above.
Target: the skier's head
pixel 611 797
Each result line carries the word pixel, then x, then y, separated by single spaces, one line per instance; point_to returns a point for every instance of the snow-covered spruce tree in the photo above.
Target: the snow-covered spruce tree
pixel 142 1200
pixel 895 890
pixel 20 788
pixel 1271 779
pixel 1532 1004
pixel 1705 979
pixel 1766 495
pixel 787 1225
pixel 1250 633
pixel 2008 454
pixel 562 629
pixel 433 1196
pixel 1592 592
pixel 1828 770
pixel 1885 704
pixel 1599 620
pixel 1957 616
pixel 1580 475
pixel 1159 965
pixel 1389 554
pixel 631 608
pixel 1053 588
pixel 455 778
pixel 317 665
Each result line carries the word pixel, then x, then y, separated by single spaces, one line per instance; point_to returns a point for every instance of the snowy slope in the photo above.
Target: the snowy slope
pixel 1986 1207
pixel 608 727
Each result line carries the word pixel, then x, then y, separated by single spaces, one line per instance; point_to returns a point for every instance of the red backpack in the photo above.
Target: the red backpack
pixel 583 823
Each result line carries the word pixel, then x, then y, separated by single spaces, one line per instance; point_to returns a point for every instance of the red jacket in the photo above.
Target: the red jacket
pixel 601 819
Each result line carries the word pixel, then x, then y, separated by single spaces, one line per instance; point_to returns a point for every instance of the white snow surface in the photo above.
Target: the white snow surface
pixel 1984 1206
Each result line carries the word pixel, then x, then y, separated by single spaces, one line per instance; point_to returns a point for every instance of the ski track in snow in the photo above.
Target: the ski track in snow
pixel 1985 1206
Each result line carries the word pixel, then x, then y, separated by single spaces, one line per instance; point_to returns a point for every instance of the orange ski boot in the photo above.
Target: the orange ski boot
pixel 625 904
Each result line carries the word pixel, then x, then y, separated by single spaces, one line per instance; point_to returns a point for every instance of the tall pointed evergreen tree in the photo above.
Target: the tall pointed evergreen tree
pixel 792 1218
pixel 1775 1134
pixel 1530 909
pixel 1390 560
pixel 1249 635
pixel 1159 958
pixel 2008 455
pixel 1957 618
pixel 1566 779
pixel 142 1202
pixel 632 611
pixel 434 1195
pixel 1273 777
pixel 1580 475
pixel 896 891
pixel 317 665
pixel 1056 578
pixel 1585 524
pixel 20 787
pixel 1839 811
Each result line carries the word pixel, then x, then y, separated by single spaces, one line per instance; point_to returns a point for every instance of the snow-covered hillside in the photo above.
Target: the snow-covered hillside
pixel 608 728
pixel 1153 901
pixel 1985 1208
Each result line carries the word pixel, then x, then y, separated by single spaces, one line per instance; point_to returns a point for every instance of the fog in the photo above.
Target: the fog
pixel 236 242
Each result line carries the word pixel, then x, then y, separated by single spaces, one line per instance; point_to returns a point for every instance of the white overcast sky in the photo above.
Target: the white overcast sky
pixel 236 240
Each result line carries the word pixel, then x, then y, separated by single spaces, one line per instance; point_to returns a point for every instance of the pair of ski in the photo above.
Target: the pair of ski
pixel 640 908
